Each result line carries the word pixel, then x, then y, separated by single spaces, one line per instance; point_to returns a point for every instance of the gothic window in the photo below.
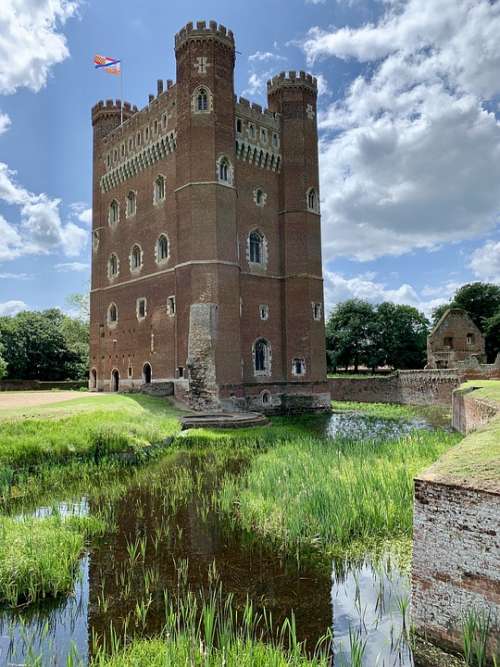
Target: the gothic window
pixel 162 249
pixel 262 357
pixel 256 243
pixel 131 204
pixel 135 258
pixel 112 315
pixel 263 135
pixel 141 308
pixel 159 189
pixel 114 212
pixel 264 311
pixel 113 266
pixel 224 170
pixel 298 367
pixel 259 197
pixel 202 100
pixel 312 200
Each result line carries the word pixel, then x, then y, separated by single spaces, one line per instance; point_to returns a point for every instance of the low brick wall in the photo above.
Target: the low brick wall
pixel 37 385
pixel 456 559
pixel 419 387
pixel 470 412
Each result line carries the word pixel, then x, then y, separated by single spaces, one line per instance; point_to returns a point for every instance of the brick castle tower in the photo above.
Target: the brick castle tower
pixel 206 260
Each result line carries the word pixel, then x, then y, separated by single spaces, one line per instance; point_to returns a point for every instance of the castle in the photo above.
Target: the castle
pixel 206 258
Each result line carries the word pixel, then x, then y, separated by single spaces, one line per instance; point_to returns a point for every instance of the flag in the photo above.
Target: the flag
pixel 110 65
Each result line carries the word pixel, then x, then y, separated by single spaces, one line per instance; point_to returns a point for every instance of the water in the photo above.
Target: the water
pixel 356 600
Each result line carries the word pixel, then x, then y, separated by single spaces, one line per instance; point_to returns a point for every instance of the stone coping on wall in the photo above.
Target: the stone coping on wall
pixel 475 462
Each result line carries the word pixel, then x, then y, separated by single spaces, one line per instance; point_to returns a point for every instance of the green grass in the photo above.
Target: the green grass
pixel 435 414
pixel 39 556
pixel 489 389
pixel 331 496
pixel 86 428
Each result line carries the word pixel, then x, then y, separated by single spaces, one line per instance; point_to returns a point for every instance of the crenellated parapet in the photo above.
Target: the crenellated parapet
pixel 203 31
pixel 111 109
pixel 292 79
pixel 255 112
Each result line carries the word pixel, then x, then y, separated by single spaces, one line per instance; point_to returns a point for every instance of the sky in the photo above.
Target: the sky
pixel 408 112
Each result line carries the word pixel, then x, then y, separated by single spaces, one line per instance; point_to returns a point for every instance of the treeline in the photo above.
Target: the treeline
pixel 359 333
pixel 43 345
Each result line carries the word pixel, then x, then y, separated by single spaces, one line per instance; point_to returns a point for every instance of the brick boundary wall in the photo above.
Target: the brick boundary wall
pixel 38 385
pixel 469 412
pixel 456 560
pixel 417 387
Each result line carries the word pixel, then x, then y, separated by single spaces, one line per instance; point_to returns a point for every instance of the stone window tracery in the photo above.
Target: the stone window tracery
pixel 114 212
pixel 224 170
pixel 162 250
pixel 159 189
pixel 298 366
pixel 112 315
pixel 113 266
pixel 257 249
pixel 136 258
pixel 261 354
pixel 131 209
pixel 312 200
pixel 202 100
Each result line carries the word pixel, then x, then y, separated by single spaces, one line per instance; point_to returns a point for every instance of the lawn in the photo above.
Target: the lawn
pixel 89 427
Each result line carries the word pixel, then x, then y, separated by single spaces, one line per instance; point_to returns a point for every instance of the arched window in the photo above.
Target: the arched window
pixel 162 249
pixel 114 212
pixel 135 257
pixel 256 242
pixel 224 170
pixel 131 204
pixel 262 357
pixel 112 314
pixel 312 200
pixel 259 197
pixel 202 100
pixel 113 265
pixel 159 189
pixel 298 366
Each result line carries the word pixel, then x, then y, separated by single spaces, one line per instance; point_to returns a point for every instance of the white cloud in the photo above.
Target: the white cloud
pixel 41 229
pixel 485 262
pixel 30 41
pixel 263 56
pixel 72 266
pixel 15 276
pixel 261 70
pixel 365 286
pixel 410 157
pixel 86 216
pixel 323 88
pixel 315 2
pixel 12 307
pixel 5 122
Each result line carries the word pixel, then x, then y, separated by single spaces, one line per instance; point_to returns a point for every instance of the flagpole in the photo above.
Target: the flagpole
pixel 121 92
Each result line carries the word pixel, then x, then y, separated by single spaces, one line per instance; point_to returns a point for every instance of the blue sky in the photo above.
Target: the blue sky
pixel 408 114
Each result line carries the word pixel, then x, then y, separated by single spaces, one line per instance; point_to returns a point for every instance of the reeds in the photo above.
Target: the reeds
pixel 476 626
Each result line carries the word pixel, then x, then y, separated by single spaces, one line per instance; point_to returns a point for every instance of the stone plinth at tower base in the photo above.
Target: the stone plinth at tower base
pixel 203 391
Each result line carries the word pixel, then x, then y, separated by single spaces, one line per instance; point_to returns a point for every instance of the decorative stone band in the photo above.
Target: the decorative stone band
pixel 266 159
pixel 150 154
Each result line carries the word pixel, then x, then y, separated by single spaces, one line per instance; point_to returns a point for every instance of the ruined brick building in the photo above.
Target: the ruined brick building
pixel 206 261
pixel 455 338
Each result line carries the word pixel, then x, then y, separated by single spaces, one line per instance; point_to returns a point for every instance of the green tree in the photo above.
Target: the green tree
pixel 492 331
pixel 3 367
pixel 402 332
pixel 349 331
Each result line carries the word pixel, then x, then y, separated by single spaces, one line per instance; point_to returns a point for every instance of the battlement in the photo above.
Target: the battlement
pixel 110 108
pixel 256 112
pixel 202 30
pixel 292 79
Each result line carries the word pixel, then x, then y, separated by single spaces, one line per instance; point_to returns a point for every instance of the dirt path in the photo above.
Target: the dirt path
pixel 28 399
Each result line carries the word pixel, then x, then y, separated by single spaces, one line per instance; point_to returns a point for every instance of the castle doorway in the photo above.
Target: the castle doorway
pixel 147 373
pixel 115 380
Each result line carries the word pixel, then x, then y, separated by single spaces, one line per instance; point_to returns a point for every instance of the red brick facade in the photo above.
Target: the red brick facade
pixel 233 309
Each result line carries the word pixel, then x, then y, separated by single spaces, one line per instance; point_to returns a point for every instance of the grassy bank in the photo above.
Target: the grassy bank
pixel 437 415
pixel 38 556
pixel 86 428
pixel 333 496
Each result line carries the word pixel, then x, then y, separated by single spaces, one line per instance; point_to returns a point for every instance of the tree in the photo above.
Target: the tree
pixel 492 331
pixel 403 334
pixel 348 333
pixel 3 367
pixel 45 345
pixel 482 302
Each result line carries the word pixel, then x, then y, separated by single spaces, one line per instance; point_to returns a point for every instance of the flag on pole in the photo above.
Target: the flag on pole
pixel 109 65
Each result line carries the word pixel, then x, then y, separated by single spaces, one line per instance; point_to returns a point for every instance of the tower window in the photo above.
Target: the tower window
pixel 131 204
pixel 275 140
pixel 114 212
pixel 263 135
pixel 113 266
pixel 256 243
pixel 298 366
pixel 317 311
pixel 112 315
pixel 251 130
pixel 262 357
pixel 312 200
pixel 162 250
pixel 224 170
pixel 141 308
pixel 238 125
pixel 264 311
pixel 135 258
pixel 259 197
pixel 159 189
pixel 202 100
pixel 171 305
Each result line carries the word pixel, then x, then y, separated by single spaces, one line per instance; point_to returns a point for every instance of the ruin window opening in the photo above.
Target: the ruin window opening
pixel 470 339
pixel 448 342
pixel 298 366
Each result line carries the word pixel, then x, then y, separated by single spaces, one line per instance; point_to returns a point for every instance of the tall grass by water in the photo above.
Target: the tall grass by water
pixel 39 556
pixel 332 495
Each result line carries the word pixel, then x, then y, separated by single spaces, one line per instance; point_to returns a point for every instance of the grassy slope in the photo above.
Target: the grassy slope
pixel 88 427
pixel 476 462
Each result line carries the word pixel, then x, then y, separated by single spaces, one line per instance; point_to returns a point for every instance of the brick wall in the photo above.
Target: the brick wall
pixel 470 412
pixel 34 385
pixel 407 387
pixel 456 559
